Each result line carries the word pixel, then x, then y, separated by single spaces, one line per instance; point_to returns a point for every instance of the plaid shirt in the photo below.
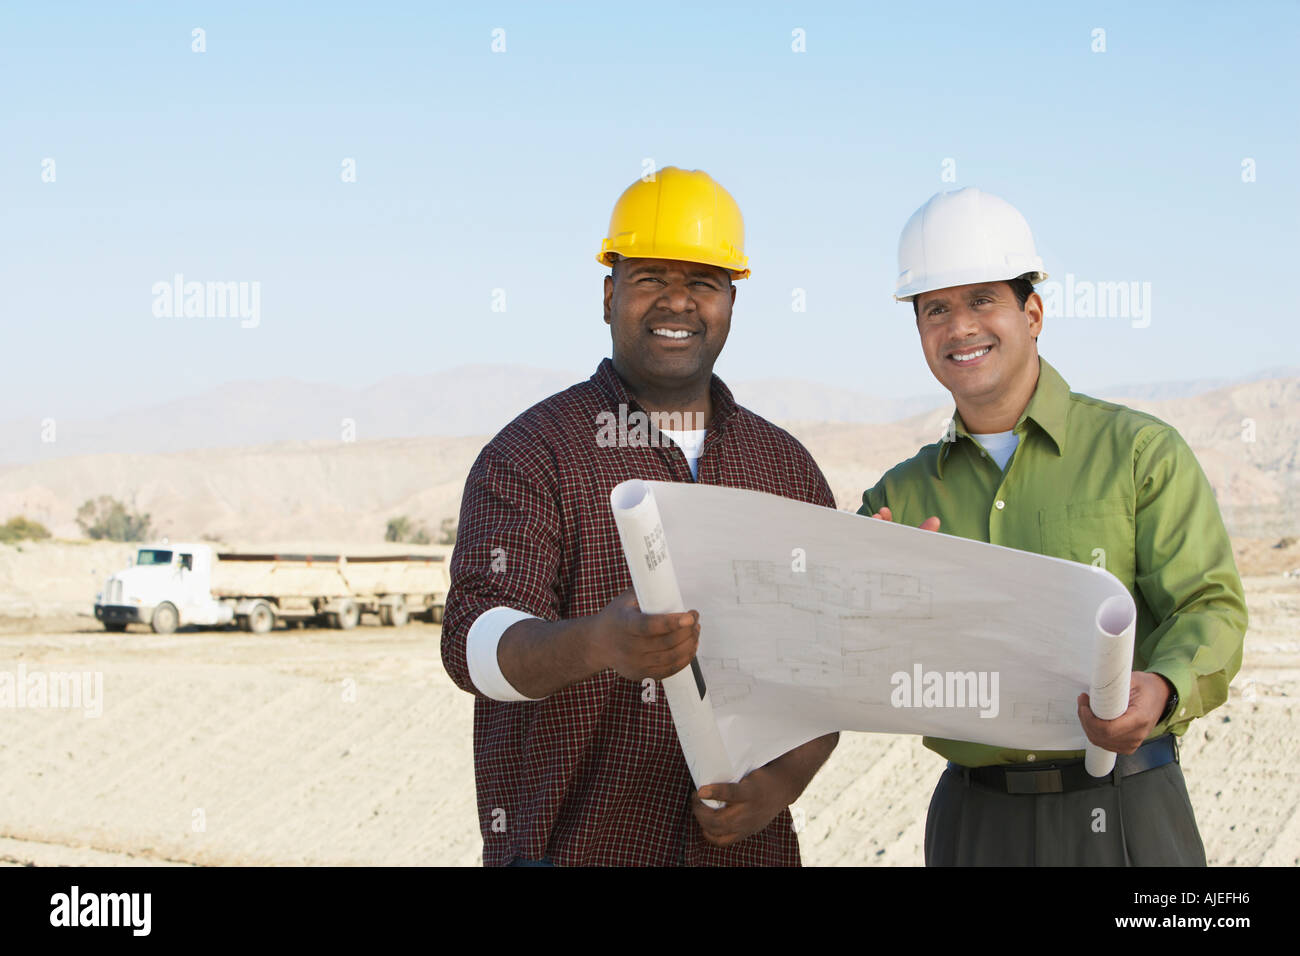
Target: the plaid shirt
pixel 592 774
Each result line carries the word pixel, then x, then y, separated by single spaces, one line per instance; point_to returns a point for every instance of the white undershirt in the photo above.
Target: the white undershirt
pixel 691 443
pixel 1001 445
pixel 485 633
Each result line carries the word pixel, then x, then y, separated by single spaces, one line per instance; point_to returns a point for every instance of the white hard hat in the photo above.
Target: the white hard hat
pixel 964 236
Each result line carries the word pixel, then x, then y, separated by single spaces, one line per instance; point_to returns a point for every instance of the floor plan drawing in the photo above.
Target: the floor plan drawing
pixel 813 620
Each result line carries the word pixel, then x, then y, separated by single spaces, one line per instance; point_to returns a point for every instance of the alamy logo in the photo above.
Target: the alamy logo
pixel 75 908
pixel 641 430
pixel 208 300
pixel 1086 299
pixel 944 689
pixel 52 689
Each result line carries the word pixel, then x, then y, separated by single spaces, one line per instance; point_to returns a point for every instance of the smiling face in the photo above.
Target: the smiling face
pixel 982 346
pixel 669 320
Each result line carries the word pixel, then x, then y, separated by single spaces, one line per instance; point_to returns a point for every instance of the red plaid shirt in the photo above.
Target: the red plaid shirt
pixel 592 774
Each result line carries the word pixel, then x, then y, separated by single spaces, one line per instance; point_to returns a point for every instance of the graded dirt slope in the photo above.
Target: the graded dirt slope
pixel 317 747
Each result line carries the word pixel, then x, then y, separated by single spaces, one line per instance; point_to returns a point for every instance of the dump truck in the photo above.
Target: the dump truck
pixel 174 585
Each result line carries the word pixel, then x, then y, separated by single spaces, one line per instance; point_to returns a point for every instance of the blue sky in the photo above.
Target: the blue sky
pixel 479 171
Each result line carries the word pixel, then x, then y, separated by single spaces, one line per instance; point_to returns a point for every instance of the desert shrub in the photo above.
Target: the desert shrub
pixel 108 519
pixel 405 530
pixel 20 528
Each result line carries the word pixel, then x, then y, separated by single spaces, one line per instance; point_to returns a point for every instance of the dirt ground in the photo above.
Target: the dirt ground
pixel 329 747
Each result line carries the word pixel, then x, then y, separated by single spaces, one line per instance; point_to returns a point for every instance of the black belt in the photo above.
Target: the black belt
pixel 1063 776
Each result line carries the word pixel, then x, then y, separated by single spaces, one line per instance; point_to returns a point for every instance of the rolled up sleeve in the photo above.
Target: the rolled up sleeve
pixel 508 550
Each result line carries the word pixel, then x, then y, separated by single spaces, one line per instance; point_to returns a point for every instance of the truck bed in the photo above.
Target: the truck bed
pixel 241 574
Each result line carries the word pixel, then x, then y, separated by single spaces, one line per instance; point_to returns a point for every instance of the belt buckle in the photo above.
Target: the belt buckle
pixel 1034 781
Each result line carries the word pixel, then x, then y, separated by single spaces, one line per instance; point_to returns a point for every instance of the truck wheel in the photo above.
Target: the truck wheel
pixel 395 614
pixel 115 626
pixel 400 615
pixel 348 614
pixel 261 618
pixel 435 614
pixel 165 619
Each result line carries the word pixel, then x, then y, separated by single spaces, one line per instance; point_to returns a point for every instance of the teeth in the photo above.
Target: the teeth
pixel 672 334
pixel 969 356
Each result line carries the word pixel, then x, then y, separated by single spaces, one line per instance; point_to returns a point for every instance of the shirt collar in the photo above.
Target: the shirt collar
pixel 1048 408
pixel 609 382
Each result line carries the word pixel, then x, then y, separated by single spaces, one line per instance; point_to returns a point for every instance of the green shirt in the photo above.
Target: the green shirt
pixel 1106 485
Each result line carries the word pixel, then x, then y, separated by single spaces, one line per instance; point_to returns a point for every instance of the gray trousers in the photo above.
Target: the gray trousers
pixel 1141 820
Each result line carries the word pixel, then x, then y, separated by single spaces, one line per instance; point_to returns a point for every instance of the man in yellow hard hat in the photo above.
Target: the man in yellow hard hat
pixel 1029 464
pixel 575 754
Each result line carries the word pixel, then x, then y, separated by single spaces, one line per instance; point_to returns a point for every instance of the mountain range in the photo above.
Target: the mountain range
pixel 467 400
pixel 1246 438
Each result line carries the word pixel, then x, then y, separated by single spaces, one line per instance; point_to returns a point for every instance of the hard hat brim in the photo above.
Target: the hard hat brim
pixel 909 292
pixel 609 257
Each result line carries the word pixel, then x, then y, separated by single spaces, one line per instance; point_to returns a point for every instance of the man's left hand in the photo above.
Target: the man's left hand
pixel 1148 697
pixel 750 806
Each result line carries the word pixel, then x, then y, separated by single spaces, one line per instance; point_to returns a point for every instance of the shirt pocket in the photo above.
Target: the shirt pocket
pixel 1098 532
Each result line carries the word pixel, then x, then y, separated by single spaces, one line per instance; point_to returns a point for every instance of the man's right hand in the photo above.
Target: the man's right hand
pixel 929 524
pixel 639 645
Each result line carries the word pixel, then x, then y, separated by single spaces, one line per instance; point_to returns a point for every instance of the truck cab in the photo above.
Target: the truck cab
pixel 166 587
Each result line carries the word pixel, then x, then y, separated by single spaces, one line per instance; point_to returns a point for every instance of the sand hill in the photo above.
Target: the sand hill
pixel 1246 437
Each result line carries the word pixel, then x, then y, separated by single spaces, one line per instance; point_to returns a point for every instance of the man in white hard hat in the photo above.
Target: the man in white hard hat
pixel 1029 464
pixel 576 757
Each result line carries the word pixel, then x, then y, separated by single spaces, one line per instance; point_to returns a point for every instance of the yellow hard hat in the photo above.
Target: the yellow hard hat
pixel 680 214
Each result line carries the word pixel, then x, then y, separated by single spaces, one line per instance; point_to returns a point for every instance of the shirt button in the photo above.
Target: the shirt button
pixel 999 504
pixel 1183 712
pixel 1031 757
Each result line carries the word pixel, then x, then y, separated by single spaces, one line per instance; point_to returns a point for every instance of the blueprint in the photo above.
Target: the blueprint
pixel 814 620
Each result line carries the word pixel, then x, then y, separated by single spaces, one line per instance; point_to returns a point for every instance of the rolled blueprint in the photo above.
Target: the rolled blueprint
pixel 1112 671
pixel 657 592
pixel 816 620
